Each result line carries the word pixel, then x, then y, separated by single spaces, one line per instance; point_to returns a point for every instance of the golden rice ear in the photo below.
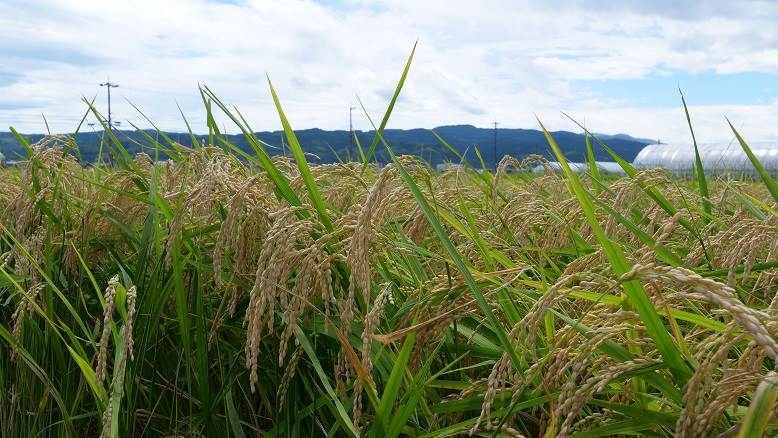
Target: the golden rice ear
pixel 129 341
pixel 502 168
pixel 22 311
pixel 288 249
pixel 102 357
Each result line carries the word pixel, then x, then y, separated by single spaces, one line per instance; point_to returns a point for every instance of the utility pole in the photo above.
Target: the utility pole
pixel 494 159
pixel 351 134
pixel 109 85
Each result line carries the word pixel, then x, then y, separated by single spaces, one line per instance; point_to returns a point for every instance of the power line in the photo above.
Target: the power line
pixel 494 157
pixel 109 85
pixel 351 133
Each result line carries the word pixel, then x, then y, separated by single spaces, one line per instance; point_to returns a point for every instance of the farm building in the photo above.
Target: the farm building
pixel 717 158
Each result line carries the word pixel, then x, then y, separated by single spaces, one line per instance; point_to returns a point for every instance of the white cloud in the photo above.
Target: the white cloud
pixel 476 61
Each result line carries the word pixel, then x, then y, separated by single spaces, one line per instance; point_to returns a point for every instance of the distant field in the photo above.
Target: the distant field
pixel 231 293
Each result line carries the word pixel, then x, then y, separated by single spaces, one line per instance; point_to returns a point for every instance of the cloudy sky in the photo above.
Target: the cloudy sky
pixel 616 65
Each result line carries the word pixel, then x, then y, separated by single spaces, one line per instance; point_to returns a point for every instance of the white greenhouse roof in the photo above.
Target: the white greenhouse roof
pixel 715 157
pixel 604 166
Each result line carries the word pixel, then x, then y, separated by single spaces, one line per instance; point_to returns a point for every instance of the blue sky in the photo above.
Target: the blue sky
pixel 706 88
pixel 616 65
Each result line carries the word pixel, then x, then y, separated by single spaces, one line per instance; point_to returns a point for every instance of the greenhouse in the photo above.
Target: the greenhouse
pixel 717 158
pixel 602 166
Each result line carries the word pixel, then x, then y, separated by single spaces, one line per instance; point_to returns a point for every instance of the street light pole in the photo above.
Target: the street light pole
pixel 109 85
pixel 494 157
pixel 351 134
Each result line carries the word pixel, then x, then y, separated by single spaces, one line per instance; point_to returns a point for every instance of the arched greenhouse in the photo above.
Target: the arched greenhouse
pixel 717 158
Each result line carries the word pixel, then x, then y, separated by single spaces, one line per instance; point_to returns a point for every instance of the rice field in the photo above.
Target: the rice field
pixel 232 294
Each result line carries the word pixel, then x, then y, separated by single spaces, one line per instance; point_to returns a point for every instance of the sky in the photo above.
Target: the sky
pixel 615 66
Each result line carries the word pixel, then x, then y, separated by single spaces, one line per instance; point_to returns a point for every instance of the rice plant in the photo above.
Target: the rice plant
pixel 231 294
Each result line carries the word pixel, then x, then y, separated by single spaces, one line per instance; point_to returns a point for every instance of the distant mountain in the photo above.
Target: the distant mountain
pixel 331 146
pixel 626 137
